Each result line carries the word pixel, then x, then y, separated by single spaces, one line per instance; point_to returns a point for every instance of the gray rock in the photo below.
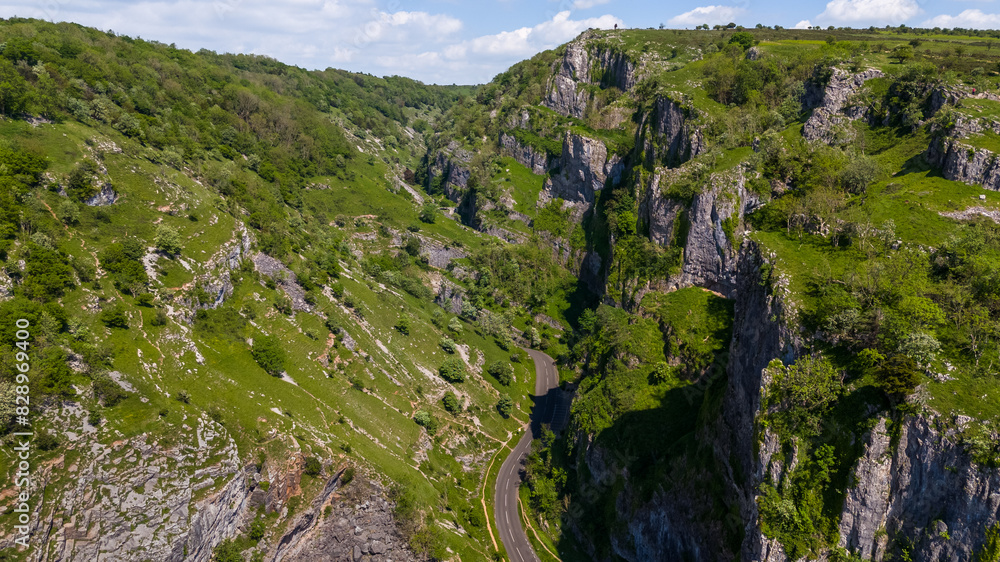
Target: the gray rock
pixel 825 123
pixel 106 196
pixel 536 160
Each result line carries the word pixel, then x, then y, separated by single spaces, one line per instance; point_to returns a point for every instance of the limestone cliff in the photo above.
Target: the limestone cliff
pixel 833 110
pixel 581 64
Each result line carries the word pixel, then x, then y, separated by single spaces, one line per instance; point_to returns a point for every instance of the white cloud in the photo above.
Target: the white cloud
pixel 804 24
pixel 882 11
pixel 587 4
pixel 969 19
pixel 711 15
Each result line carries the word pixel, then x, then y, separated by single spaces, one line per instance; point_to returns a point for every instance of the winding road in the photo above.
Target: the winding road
pixel 549 408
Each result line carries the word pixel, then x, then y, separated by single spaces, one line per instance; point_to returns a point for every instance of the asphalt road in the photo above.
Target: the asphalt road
pixel 548 409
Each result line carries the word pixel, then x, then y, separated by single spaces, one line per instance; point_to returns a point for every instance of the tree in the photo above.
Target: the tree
pixel 505 406
pixel 14 89
pixel 268 352
pixel 313 466
pixel 455 325
pixel 427 421
pixel 448 345
pixel 902 53
pixel 859 174
pixel 453 370
pixel 403 325
pixel 801 393
pixel 450 402
pixel 167 240
pixel 114 317
pixel 502 372
pixel 429 212
pixel 47 275
pixel 742 38
pixel 69 212
pixel 898 377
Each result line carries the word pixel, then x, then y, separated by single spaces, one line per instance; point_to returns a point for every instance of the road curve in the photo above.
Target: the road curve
pixel 506 513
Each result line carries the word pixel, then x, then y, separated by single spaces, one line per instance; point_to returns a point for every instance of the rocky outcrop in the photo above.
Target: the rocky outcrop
pixel 536 160
pixel 926 489
pixel 450 168
pixel 142 500
pixel 584 168
pixel 713 222
pixel 827 120
pixel 359 526
pixel 106 196
pixel 582 64
pixel 284 278
pixel 959 160
pixel 673 140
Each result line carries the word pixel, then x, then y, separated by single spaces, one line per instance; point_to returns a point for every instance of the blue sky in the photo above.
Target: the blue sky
pixel 450 41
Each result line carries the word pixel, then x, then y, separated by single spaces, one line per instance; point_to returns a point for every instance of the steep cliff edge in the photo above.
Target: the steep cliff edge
pixel 584 64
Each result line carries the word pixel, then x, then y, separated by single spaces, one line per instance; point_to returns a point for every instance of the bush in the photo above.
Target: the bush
pixel 429 212
pixel 898 377
pixel 145 299
pixel 448 345
pixel 427 421
pixel 403 325
pixel 167 240
pixel 159 319
pixel 505 406
pixel 502 372
pixel 455 325
pixel 183 396
pixel 114 317
pixel 453 370
pixel 257 530
pixel 45 441
pixel 313 466
pixel 108 391
pixel 801 393
pixel 268 352
pixel 347 476
pixel 451 403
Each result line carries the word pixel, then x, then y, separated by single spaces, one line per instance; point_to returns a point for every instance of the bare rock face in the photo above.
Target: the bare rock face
pixel 960 161
pixel 142 500
pixel 106 196
pixel 354 523
pixel 614 69
pixel 714 222
pixel 585 167
pixel 674 140
pixel 536 160
pixel 927 489
pixel 451 167
pixel 285 278
pixel 833 111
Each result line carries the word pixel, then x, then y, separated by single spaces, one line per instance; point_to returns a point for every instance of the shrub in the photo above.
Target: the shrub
pixel 898 376
pixel 742 38
pixel 505 406
pixel 183 396
pixel 167 240
pixel 145 299
pixel 268 352
pixel 453 370
pixel 451 402
pixel 801 393
pixel 429 212
pixel 403 325
pixel 448 345
pixel 859 174
pixel 426 420
pixel 257 530
pixel 455 325
pixel 108 391
pixel 313 466
pixel 502 372
pixel 159 319
pixel 114 317
pixel 347 476
pixel 46 441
